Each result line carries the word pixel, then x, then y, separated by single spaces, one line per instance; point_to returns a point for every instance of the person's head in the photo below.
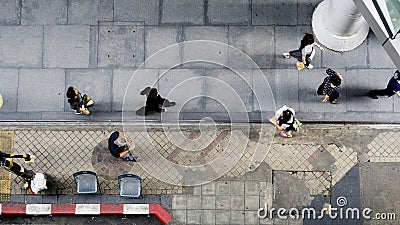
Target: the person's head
pixel 120 141
pixel 72 92
pixel 397 75
pixel 308 39
pixel 336 80
pixel 287 115
pixel 153 93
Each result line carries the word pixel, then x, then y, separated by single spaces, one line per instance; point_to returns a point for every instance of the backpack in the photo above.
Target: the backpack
pixel 297 125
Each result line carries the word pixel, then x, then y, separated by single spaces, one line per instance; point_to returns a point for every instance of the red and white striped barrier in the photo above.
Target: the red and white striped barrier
pixel 86 209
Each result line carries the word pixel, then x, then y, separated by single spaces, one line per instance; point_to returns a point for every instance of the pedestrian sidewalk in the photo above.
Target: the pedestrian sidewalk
pixel 316 161
pixel 99 49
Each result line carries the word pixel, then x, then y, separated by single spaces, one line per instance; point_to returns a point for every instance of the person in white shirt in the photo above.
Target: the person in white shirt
pixel 306 51
pixel 284 119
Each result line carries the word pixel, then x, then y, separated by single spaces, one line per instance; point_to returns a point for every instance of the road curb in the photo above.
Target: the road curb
pixel 87 209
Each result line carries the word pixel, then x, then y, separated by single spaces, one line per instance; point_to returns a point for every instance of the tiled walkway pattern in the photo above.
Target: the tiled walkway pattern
pixel 384 148
pixel 222 202
pixel 235 197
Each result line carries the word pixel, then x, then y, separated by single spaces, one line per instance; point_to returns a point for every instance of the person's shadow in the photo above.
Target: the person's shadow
pixel 141 111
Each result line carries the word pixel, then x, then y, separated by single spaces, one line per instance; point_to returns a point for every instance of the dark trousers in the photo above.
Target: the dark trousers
pixel 333 96
pixel 297 54
pixel 382 92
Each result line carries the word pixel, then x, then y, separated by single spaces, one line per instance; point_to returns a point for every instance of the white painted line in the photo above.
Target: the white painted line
pixel 38 209
pixel 87 209
pixel 136 209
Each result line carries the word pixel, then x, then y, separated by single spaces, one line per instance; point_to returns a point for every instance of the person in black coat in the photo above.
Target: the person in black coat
pixel 154 102
pixel 120 147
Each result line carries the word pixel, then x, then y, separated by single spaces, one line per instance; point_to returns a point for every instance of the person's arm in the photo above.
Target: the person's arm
pixel 131 144
pixel 123 153
pixel 330 72
pixel 340 75
pixel 279 127
pixel 326 98
pixel 303 59
pixel 397 94
pixel 319 46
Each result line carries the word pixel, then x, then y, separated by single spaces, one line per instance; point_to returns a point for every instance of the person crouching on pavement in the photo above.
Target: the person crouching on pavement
pixel 121 147
pixel 78 102
pixel 154 102
pixel 330 86
pixel 284 120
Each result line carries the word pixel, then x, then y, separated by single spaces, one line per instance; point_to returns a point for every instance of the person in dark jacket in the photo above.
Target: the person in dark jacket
pixel 393 87
pixel 154 102
pixel 330 86
pixel 121 147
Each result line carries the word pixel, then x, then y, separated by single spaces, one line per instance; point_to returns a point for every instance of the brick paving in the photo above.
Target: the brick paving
pixel 321 163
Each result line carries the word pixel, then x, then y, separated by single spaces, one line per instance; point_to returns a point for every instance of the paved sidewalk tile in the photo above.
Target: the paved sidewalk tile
pixel 237 217
pixel 30 85
pixel 222 187
pixel 208 189
pixel 66 46
pixel 179 202
pixel 10 13
pixel 207 217
pixel 222 217
pixel 89 12
pixel 190 12
pixel 193 216
pixel 223 202
pixel 229 12
pixel 179 216
pixel 193 202
pixel 207 202
pixel 237 202
pixel 141 10
pixel 44 12
pixel 19 40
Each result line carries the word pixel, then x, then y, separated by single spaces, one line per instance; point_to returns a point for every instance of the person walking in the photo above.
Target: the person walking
pixel 306 51
pixel 120 146
pixel 154 102
pixel 78 102
pixel 284 120
pixel 393 87
pixel 330 86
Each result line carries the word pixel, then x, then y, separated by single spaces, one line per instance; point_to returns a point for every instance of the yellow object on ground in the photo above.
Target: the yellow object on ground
pixel 6 145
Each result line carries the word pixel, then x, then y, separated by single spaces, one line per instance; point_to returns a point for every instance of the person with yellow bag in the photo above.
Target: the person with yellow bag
pixel 305 53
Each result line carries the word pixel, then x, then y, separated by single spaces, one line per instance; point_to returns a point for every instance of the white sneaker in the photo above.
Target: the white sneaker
pixel 286 55
pixel 310 66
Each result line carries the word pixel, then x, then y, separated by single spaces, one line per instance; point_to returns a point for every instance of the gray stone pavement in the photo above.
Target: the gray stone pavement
pixel 97 45
pixel 321 164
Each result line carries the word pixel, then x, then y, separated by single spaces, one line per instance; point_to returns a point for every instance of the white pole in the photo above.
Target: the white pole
pixel 338 25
